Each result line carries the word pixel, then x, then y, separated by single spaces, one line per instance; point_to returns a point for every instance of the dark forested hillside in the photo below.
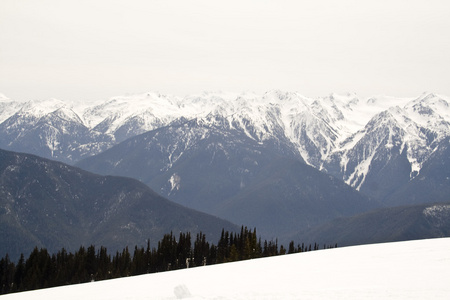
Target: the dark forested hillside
pixel 384 225
pixel 431 185
pixel 288 196
pixel 49 204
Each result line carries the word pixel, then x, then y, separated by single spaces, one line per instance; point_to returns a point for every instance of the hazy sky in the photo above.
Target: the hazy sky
pixel 95 49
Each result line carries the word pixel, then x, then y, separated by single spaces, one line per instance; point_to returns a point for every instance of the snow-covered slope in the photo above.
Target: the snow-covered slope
pixel 7 107
pixel 402 270
pixel 52 129
pixel 126 116
pixel 392 147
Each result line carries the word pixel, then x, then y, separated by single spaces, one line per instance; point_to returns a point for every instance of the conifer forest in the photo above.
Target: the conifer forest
pixel 43 269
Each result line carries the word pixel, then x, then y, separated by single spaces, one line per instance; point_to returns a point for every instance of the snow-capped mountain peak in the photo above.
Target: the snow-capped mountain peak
pixel 39 108
pixel 429 108
pixel 67 114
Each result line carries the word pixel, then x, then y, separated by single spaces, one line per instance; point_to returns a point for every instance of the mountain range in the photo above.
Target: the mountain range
pixel 279 161
pixel 356 140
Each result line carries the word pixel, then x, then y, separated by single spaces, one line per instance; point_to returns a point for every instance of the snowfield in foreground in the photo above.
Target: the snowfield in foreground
pixel 401 270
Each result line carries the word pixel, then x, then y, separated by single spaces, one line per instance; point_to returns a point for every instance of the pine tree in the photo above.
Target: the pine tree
pixel 6 275
pixel 139 262
pixel 91 263
pixel 19 273
pixel 234 255
pixel 291 248
pixel 223 247
pixel 202 253
pixel 104 268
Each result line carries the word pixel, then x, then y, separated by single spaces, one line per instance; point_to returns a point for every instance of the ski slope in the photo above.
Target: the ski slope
pixel 401 270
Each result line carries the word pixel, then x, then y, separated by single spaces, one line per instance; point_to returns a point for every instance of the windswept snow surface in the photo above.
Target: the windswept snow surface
pixel 401 270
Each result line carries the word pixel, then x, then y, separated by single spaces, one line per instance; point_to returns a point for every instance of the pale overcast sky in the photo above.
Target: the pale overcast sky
pixel 96 49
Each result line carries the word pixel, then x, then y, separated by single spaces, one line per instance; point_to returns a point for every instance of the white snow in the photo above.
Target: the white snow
pixel 7 109
pixel 436 210
pixel 174 182
pixel 358 112
pixel 356 179
pixel 401 270
pixel 40 108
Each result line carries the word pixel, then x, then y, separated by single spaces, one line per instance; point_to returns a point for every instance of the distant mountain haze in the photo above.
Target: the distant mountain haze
pixel 402 223
pixel 49 204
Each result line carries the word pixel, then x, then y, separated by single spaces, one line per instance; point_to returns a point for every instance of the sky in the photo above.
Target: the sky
pixel 97 49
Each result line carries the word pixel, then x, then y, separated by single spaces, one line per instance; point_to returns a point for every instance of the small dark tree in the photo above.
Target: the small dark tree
pixel 291 248
pixel 104 267
pixel 19 273
pixel 6 275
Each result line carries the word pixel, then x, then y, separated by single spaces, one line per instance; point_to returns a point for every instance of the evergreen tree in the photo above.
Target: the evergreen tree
pixel 222 247
pixel 104 270
pixel 139 261
pixel 202 251
pixel 291 248
pixel 6 275
pixel 19 273
pixel 91 263
pixel 148 260
pixel 184 253
pixel 61 265
pixel 234 255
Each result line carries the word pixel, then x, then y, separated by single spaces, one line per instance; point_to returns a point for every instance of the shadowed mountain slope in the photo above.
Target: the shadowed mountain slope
pixel 384 225
pixel 49 204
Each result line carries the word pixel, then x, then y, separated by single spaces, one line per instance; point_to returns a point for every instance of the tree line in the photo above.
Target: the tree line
pixel 42 269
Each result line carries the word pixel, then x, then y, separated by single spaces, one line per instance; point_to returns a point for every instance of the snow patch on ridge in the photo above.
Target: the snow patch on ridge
pixel 439 215
pixel 175 182
pixel 436 210
pixel 356 179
